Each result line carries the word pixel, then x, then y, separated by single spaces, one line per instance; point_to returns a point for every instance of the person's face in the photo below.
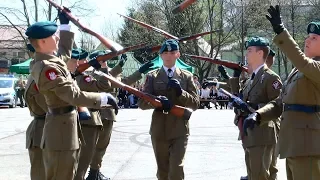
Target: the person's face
pixel 82 61
pixel 50 44
pixel 72 65
pixel 169 58
pixel 252 54
pixel 312 45
pixel 103 64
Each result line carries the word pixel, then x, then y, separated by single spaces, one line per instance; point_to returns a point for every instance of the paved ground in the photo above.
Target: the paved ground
pixel 213 151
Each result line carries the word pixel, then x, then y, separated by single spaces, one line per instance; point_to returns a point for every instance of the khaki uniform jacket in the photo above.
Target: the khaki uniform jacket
pixel 265 87
pixel 300 131
pixel 90 84
pixel 107 113
pixel 168 126
pixel 38 108
pixel 54 81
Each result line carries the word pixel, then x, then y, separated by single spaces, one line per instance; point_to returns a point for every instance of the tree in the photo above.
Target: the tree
pixel 32 11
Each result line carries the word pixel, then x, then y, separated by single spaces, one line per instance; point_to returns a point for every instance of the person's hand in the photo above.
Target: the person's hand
pixel 237 71
pixel 166 103
pixel 250 121
pixel 274 17
pixel 63 17
pixel 123 59
pixel 175 84
pixel 223 72
pixel 145 67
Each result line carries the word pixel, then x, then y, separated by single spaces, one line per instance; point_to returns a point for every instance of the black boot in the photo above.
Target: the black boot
pixel 102 177
pixel 93 174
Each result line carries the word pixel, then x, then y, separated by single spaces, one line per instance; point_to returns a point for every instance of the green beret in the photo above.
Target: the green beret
pixel 169 45
pixel 256 41
pixel 41 30
pixel 83 54
pixel 75 54
pixel 96 53
pixel 30 48
pixel 314 27
pixel 271 53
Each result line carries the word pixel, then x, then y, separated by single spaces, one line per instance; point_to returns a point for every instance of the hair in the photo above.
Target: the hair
pixel 265 51
pixel 34 43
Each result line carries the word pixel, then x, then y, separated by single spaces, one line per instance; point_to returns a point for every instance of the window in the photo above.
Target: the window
pixel 14 54
pixel 21 54
pixel 3 53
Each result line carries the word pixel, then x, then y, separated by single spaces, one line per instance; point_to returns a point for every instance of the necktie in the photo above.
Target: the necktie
pixel 170 74
pixel 252 76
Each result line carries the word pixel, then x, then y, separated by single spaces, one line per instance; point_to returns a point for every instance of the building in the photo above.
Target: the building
pixel 12 46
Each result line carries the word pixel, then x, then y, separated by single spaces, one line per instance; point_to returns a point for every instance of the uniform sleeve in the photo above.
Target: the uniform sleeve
pixel 65 45
pixel 40 100
pixel 136 76
pixel 147 88
pixel 274 86
pixel 116 70
pixel 51 79
pixel 189 98
pixel 234 85
pixel 271 111
pixel 309 67
pixel 90 84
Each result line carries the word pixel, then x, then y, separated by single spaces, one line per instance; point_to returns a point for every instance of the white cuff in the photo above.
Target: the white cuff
pixel 104 99
pixel 65 27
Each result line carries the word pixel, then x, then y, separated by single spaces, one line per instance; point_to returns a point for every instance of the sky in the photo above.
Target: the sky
pixel 105 11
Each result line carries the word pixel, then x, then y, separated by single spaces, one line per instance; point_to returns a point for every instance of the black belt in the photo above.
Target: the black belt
pixel 93 110
pixel 43 117
pixel 301 108
pixel 61 110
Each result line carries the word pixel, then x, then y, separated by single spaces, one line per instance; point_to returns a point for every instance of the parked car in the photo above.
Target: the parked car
pixel 8 95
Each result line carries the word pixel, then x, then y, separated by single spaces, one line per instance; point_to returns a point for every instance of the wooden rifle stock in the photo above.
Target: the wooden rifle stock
pixel 164 33
pixel 81 68
pixel 227 64
pixel 178 111
pixel 186 38
pixel 182 6
pixel 107 42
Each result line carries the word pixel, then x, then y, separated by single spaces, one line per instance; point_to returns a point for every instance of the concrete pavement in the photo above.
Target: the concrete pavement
pixel 213 150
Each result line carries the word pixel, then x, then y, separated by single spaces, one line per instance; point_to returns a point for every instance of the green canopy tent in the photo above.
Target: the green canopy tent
pixel 21 68
pixel 179 63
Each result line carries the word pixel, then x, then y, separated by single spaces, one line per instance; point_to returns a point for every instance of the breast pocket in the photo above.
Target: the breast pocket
pixel 160 88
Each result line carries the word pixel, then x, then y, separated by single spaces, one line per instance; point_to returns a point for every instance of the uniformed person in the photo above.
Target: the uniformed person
pixel 299 104
pixel 108 116
pixel 90 127
pixel 263 87
pixel 21 85
pixel 270 58
pixel 62 134
pixel 169 134
pixel 38 109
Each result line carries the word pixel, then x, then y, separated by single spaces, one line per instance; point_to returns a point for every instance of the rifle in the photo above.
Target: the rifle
pixel 243 106
pixel 107 42
pixel 227 64
pixel 152 49
pixel 106 57
pixel 164 33
pixel 176 110
pixel 180 7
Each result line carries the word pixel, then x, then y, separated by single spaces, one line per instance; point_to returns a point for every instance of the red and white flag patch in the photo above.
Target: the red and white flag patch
pixel 276 85
pixel 36 87
pixel 87 79
pixel 51 74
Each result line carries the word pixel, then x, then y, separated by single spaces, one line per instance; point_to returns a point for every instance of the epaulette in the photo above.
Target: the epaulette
pixel 154 71
pixel 186 71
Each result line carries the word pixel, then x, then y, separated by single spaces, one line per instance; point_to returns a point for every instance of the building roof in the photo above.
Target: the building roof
pixel 10 38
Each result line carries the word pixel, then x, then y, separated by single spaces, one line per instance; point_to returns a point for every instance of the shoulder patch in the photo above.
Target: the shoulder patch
pixel 35 87
pixel 276 84
pixel 87 79
pixel 51 74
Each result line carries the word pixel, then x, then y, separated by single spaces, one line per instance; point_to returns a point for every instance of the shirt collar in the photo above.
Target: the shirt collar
pixel 173 68
pixel 257 70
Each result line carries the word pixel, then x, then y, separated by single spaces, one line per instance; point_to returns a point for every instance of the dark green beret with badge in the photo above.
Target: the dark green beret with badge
pixel 271 53
pixel 41 30
pixel 30 48
pixel 257 41
pixel 314 27
pixel 169 45
pixel 96 53
pixel 75 54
